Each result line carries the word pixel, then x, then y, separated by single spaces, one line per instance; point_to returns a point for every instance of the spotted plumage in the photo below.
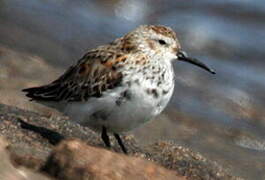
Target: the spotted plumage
pixel 118 86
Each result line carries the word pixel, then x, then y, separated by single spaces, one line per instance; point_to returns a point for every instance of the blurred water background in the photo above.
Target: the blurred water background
pixel 220 116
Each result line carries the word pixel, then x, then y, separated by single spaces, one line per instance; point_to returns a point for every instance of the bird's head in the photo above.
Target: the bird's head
pixel 159 42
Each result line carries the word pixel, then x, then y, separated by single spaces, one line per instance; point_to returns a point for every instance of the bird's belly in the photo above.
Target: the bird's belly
pixel 115 113
pixel 130 114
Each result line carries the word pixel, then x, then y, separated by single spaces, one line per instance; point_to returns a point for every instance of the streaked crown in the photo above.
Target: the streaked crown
pixel 152 40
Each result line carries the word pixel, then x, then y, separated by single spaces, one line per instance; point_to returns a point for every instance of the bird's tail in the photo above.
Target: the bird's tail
pixel 42 93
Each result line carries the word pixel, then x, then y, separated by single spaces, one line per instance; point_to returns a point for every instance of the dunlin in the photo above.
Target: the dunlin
pixel 118 86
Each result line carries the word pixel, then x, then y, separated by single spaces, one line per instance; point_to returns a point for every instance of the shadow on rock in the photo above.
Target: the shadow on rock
pixel 53 137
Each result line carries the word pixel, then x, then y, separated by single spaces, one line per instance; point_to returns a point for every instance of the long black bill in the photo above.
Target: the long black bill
pixel 182 56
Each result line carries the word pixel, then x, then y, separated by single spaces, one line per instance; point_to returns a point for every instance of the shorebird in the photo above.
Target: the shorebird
pixel 118 86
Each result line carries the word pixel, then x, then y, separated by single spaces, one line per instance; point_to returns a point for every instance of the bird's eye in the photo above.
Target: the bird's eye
pixel 162 42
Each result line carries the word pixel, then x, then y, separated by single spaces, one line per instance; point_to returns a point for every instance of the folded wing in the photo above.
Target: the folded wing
pixel 93 75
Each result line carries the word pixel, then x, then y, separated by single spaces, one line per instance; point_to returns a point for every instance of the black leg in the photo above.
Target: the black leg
pixel 120 143
pixel 105 136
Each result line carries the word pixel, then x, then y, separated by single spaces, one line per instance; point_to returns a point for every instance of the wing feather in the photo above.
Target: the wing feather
pixel 94 74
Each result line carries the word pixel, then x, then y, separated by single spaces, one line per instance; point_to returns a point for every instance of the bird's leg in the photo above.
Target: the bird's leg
pixel 105 136
pixel 120 143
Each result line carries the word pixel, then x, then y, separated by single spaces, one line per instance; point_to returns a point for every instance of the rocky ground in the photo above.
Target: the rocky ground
pixel 50 147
